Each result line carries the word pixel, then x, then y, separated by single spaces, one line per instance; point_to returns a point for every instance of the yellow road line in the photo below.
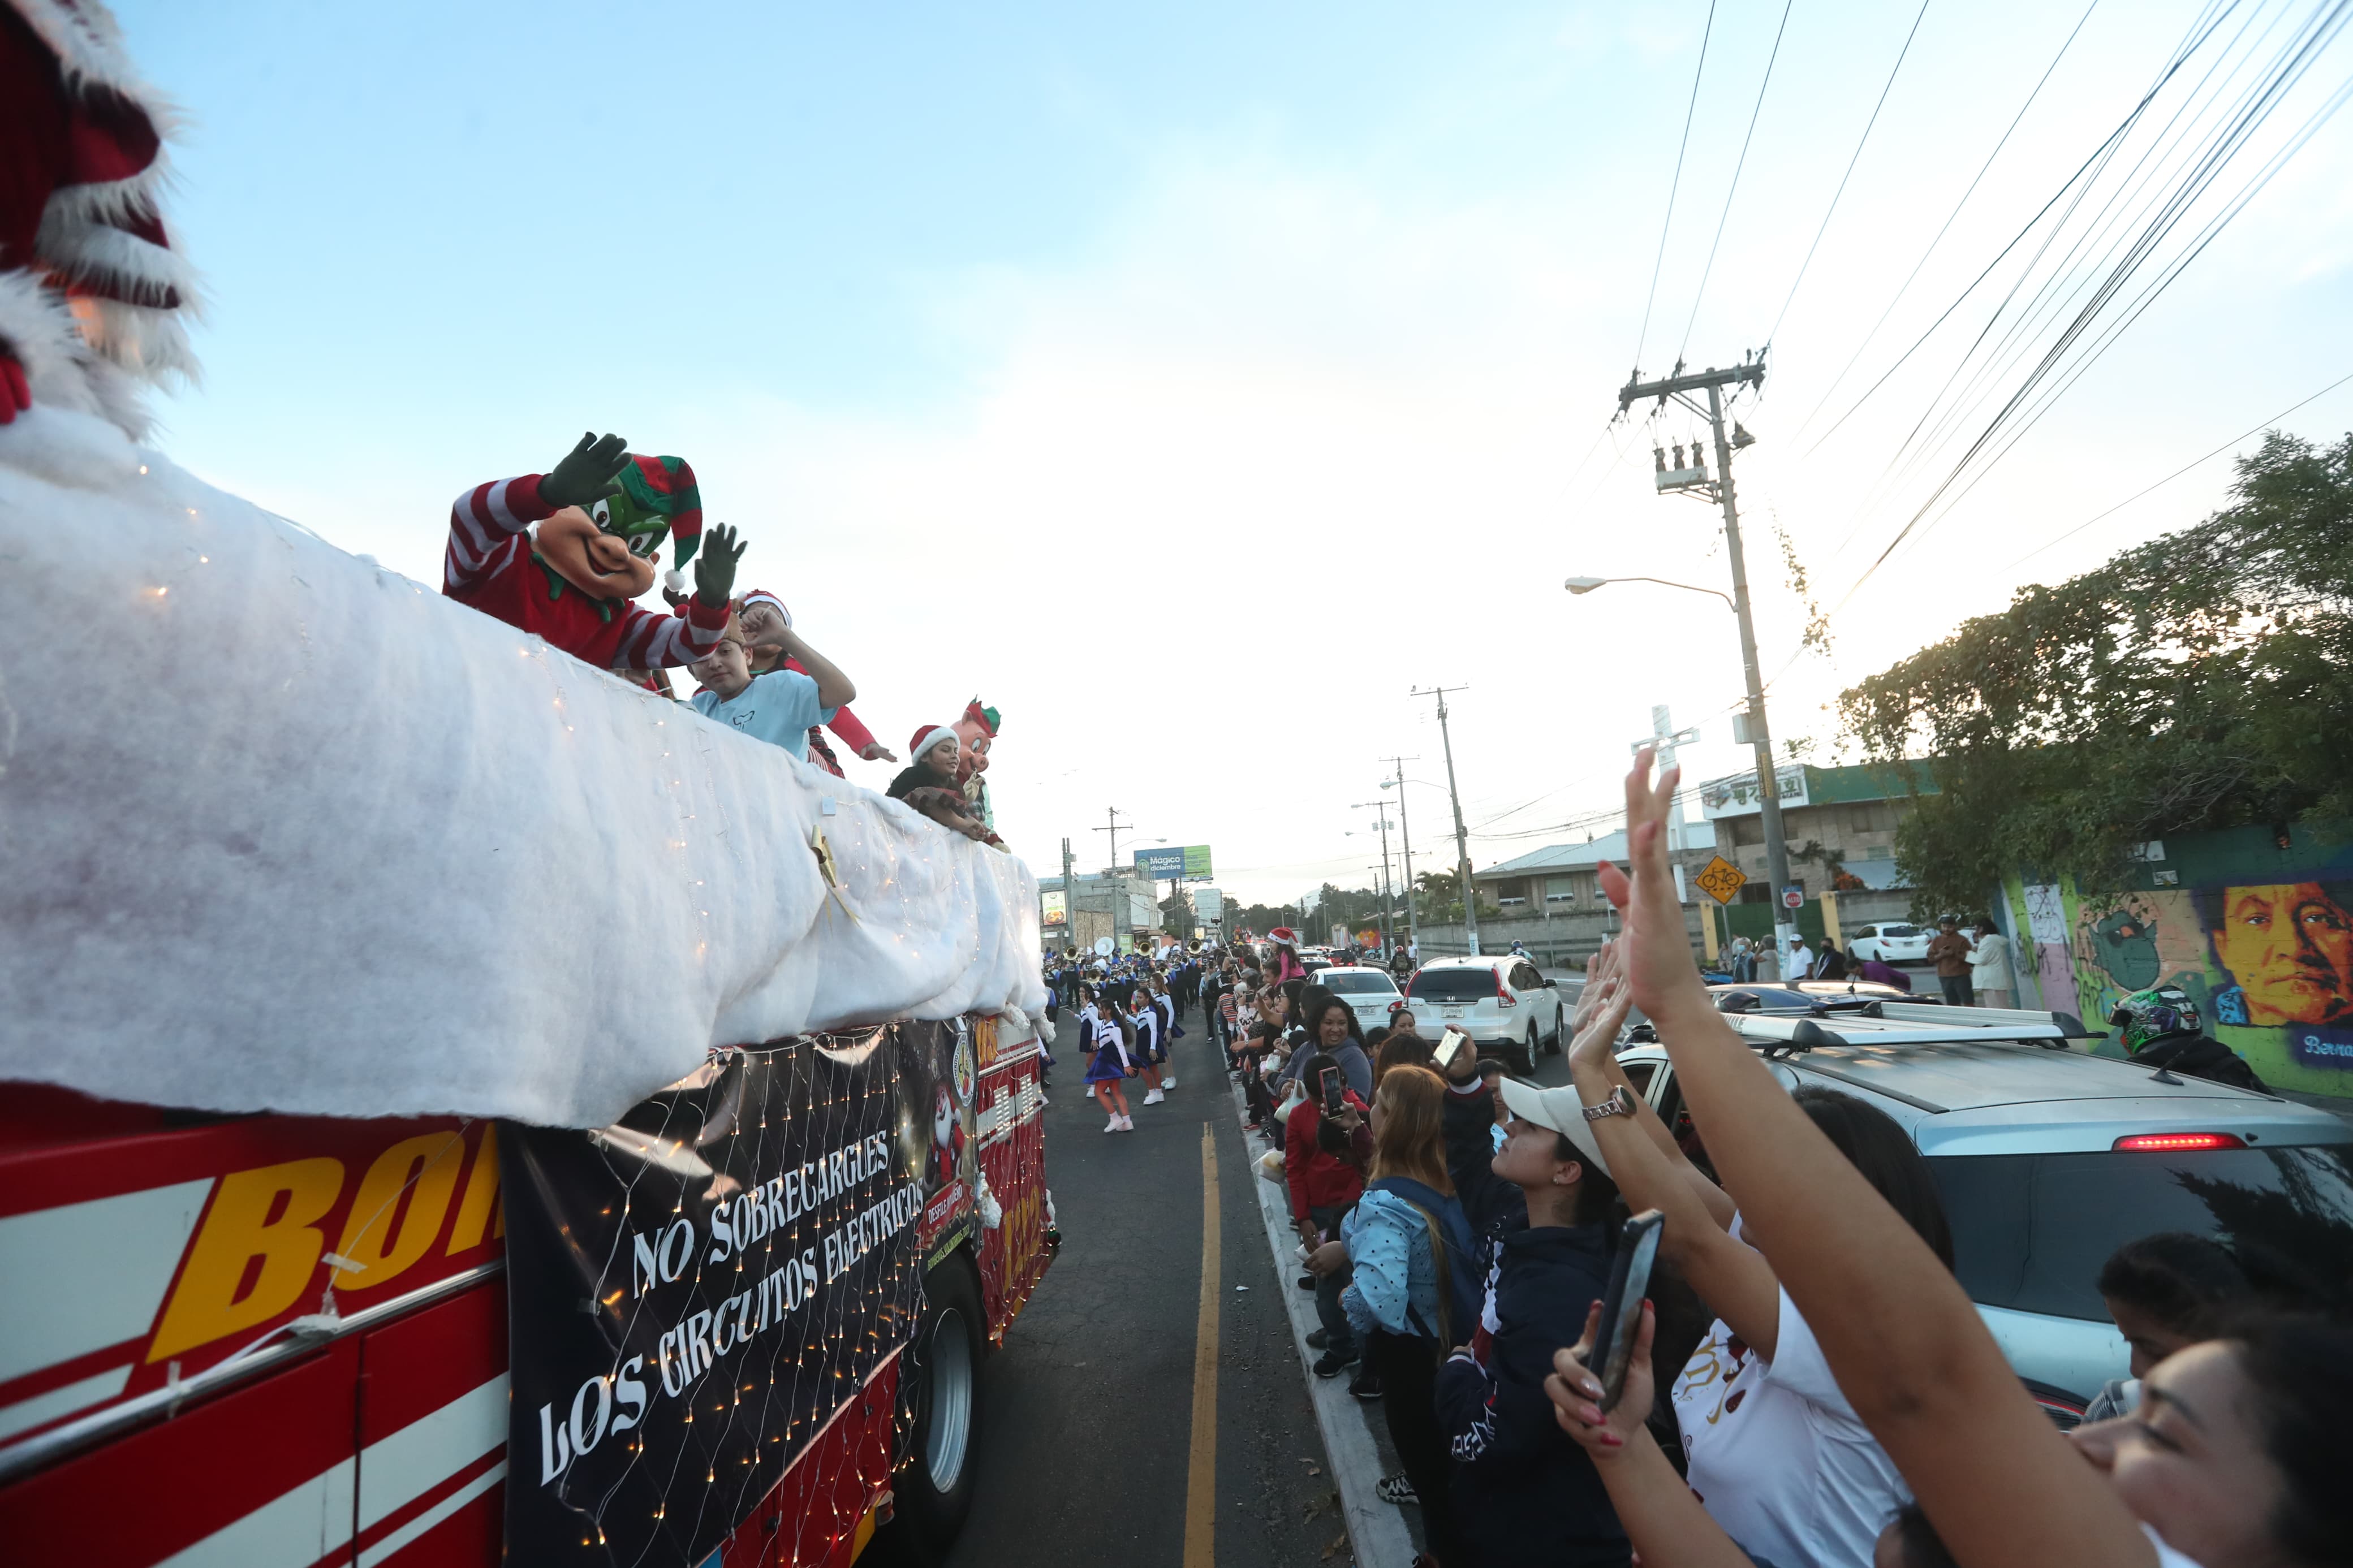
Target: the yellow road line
pixel 1201 1473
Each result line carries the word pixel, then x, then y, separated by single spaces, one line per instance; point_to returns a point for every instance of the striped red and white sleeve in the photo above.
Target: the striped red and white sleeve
pixel 851 729
pixel 649 641
pixel 483 519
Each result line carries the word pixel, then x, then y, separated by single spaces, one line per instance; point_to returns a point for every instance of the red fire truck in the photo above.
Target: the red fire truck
pixel 281 1341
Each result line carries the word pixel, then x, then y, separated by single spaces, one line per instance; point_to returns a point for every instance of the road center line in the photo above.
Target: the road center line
pixel 1201 1473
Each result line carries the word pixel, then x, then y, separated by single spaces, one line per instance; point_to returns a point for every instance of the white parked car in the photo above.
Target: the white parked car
pixel 1504 1004
pixel 1897 943
pixel 1369 993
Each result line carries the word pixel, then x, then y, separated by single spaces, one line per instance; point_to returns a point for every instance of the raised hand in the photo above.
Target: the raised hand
pixel 714 564
pixel 1604 968
pixel 1596 1037
pixel 589 472
pixel 1655 950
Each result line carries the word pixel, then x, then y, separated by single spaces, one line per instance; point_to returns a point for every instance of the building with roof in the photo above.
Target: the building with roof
pixel 1565 878
pixel 1840 823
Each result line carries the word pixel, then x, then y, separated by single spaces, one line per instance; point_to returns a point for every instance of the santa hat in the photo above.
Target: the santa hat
pixel 927 737
pixel 659 493
pixel 762 596
pixel 1285 935
pixel 974 713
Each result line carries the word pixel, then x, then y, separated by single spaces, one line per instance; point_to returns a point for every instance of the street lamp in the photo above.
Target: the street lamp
pixel 1587 585
pixel 1753 731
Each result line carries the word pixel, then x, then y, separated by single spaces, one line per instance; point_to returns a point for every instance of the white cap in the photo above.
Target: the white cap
pixel 1562 1109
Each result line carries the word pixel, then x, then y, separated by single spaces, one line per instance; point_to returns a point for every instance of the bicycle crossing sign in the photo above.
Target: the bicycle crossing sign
pixel 1720 879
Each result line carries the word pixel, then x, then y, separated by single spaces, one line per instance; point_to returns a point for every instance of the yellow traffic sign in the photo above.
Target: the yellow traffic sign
pixel 1720 879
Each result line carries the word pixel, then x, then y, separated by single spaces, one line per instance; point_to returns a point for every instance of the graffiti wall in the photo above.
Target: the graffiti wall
pixel 2260 932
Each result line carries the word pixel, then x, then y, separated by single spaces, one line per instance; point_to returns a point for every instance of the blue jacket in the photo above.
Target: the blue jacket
pixel 1524 1492
pixel 1395 1280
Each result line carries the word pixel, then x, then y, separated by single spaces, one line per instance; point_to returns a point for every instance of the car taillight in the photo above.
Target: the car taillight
pixel 1502 998
pixel 2177 1142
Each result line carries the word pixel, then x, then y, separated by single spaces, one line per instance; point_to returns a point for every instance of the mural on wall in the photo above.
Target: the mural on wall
pixel 2270 963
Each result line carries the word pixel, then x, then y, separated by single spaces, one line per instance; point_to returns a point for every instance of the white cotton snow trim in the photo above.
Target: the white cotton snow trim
pixel 313 839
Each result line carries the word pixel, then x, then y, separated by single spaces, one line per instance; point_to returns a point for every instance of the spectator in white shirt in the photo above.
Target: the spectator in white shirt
pixel 1991 981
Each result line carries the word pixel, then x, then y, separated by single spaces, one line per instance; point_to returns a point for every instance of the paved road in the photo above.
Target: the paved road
pixel 1089 1437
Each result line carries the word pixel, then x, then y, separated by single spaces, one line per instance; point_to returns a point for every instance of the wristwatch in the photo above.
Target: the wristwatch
pixel 1621 1103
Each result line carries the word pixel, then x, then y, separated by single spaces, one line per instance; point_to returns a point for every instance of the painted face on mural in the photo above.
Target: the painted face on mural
pixel 2290 947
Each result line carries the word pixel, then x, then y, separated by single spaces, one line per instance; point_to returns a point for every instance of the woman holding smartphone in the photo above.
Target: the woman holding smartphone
pixel 2230 1460
pixel 1785 1464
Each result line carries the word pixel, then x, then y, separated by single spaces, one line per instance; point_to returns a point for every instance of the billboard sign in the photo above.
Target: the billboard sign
pixel 1053 908
pixel 1174 862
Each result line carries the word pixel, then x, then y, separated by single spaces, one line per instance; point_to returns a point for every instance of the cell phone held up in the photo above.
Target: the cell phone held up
pixel 1621 1304
pixel 1449 1045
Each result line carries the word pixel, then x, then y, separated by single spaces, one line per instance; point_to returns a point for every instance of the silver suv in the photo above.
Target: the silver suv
pixel 2049 1159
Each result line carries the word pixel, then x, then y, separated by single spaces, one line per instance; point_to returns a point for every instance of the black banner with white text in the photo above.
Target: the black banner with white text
pixel 693 1290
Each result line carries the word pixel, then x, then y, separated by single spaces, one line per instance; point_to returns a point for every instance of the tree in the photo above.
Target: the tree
pixel 2203 680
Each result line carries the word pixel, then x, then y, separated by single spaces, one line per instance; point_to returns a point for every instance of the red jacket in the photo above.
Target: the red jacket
pixel 1317 1180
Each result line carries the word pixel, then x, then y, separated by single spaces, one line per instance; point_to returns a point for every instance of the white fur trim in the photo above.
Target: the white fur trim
pixel 88 42
pixel 61 368
pixel 932 737
pixel 93 251
pixel 674 580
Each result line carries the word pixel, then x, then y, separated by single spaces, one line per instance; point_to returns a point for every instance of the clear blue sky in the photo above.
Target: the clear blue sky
pixel 1128 366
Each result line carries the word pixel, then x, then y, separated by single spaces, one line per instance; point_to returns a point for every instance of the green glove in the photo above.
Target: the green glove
pixel 587 474
pixel 714 565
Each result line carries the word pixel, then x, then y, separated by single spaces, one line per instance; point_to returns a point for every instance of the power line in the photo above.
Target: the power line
pixel 1949 219
pixel 1850 162
pixel 1786 7
pixel 1677 183
pixel 2176 473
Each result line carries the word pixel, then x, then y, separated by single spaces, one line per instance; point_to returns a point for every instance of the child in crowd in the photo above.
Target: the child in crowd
pixel 778 707
pixel 1110 1063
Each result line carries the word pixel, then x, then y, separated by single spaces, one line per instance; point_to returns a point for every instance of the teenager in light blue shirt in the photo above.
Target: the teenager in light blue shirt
pixel 780 707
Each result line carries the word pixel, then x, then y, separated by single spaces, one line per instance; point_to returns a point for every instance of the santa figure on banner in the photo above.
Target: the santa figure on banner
pixel 947 1136
pixel 93 299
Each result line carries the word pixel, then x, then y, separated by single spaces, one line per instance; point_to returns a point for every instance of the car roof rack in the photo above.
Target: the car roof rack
pixel 1786 1031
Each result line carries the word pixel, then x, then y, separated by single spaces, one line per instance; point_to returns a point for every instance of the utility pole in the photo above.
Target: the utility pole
pixel 1461 835
pixel 1750 371
pixel 1388 895
pixel 1117 883
pixel 1070 901
pixel 1405 832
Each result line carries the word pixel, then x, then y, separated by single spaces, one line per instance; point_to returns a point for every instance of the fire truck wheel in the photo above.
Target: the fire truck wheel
pixel 941 1388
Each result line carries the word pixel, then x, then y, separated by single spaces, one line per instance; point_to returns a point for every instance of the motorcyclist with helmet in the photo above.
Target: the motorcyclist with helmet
pixel 2163 1028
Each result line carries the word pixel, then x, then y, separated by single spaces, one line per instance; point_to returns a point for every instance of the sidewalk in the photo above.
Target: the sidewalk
pixel 1355 1438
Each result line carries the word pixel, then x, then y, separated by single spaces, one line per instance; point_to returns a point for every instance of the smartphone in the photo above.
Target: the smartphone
pixel 1622 1306
pixel 1332 1089
pixel 1449 1045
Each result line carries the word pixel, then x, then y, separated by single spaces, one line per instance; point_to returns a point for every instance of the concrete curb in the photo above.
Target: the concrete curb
pixel 1375 1533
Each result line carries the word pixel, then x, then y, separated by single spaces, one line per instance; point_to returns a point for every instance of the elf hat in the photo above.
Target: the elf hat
pixel 657 494
pixel 927 737
pixel 762 596
pixel 974 713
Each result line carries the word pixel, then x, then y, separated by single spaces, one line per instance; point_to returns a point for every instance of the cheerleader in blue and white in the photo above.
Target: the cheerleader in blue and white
pixel 1090 1012
pixel 1111 1062
pixel 1151 1042
pixel 1167 1005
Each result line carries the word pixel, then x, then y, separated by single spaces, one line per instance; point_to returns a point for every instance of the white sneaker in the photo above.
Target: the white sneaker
pixel 1155 1098
pixel 1169 1082
pixel 1127 1124
pixel 1091 1091
pixel 1113 1125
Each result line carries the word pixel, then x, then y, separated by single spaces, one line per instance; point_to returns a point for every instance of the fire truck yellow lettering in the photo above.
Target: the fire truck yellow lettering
pixel 480 1204
pixel 240 1227
pixel 383 1235
pixel 630 1394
